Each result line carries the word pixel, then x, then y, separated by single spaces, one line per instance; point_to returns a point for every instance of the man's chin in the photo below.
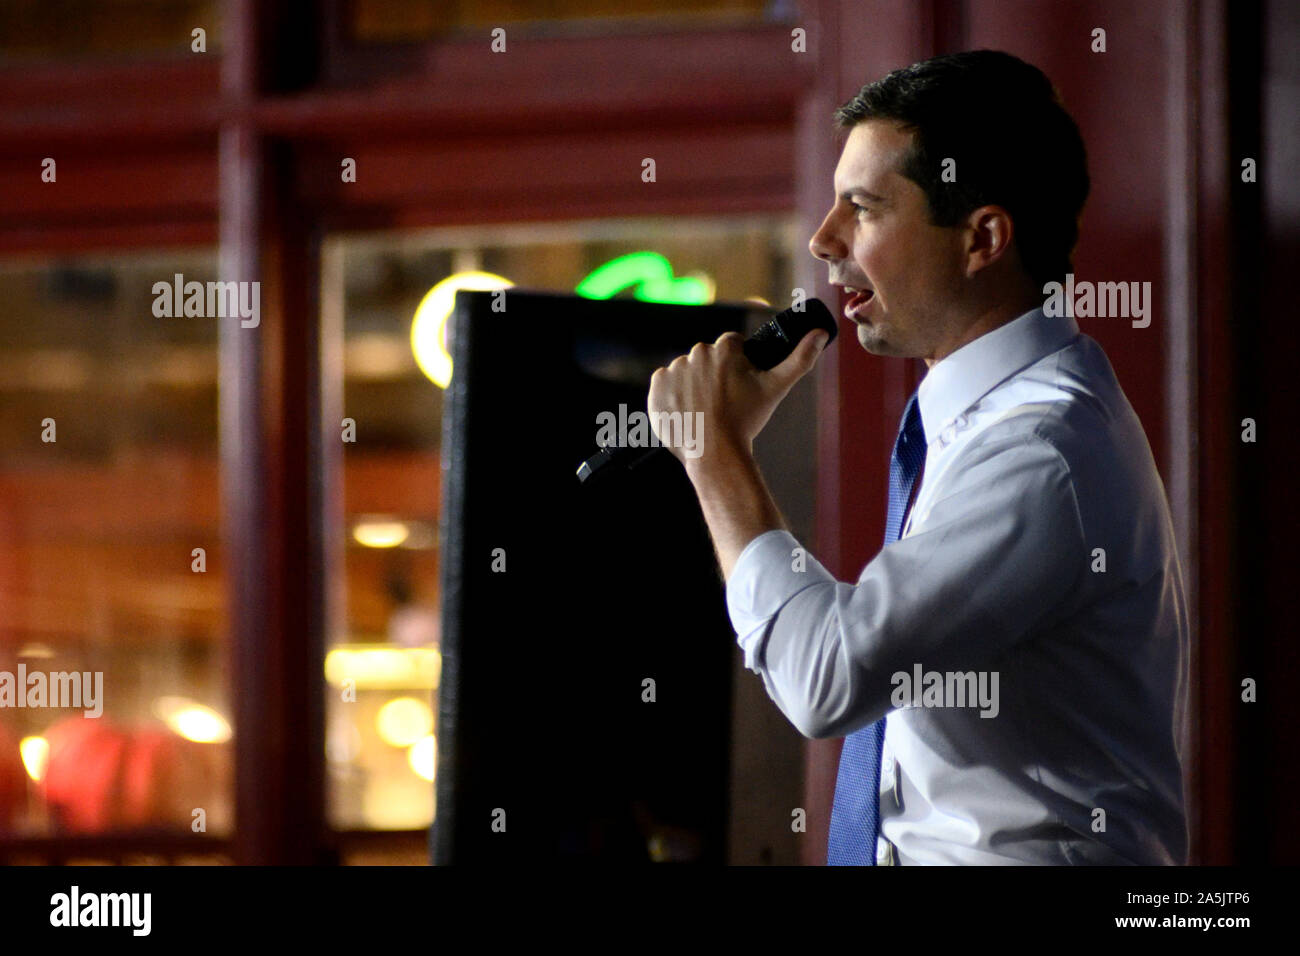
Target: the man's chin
pixel 869 338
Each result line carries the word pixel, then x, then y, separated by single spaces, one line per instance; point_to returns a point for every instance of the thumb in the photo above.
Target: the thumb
pixel 799 362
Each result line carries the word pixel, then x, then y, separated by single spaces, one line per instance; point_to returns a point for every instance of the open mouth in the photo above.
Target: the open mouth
pixel 857 302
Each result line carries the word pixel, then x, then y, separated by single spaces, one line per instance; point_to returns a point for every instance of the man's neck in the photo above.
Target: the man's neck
pixel 988 319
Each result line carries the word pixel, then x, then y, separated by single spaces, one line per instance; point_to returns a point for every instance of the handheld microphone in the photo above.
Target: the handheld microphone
pixel 766 348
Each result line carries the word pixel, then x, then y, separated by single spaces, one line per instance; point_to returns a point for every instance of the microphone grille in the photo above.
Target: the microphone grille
pixel 775 340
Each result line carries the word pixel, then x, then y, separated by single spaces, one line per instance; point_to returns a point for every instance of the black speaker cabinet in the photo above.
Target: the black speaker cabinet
pixel 585 692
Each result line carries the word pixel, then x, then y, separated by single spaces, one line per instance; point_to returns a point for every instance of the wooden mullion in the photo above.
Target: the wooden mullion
pixel 270 454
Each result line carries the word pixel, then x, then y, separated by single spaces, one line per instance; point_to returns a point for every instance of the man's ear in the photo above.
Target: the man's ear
pixel 990 233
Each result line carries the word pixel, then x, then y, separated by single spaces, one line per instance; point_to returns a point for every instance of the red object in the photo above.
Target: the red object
pixel 163 778
pixel 102 777
pixel 81 782
pixel 13 780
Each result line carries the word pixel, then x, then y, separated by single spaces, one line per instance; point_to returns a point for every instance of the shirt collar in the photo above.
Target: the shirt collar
pixel 959 380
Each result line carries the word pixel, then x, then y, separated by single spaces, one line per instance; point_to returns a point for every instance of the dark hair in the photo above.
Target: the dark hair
pixel 1014 145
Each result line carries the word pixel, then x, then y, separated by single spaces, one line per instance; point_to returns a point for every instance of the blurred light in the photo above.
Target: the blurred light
pixel 192 720
pixel 36 650
pixel 376 357
pixel 403 721
pixel 423 757
pixel 758 300
pixel 36 753
pixel 46 370
pixel 202 725
pixel 183 367
pixel 414 626
pixel 343 741
pixel 428 330
pixel 652 276
pixel 403 802
pixel 380 534
pixel 406 668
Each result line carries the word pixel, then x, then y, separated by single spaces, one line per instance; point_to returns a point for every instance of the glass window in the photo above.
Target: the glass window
pixel 113 639
pixel 74 29
pixel 412 20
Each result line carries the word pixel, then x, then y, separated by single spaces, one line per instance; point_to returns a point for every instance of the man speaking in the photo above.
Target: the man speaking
pixel 1009 671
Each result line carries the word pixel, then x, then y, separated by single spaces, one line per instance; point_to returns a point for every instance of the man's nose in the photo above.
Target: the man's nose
pixel 825 244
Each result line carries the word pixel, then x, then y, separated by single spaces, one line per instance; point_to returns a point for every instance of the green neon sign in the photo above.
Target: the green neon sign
pixel 652 277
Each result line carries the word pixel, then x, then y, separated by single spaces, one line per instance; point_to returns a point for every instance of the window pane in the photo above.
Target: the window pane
pixel 74 29
pixel 113 634
pixel 406 20
pixel 381 737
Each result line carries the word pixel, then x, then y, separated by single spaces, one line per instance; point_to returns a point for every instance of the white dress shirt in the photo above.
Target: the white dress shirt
pixel 1040 547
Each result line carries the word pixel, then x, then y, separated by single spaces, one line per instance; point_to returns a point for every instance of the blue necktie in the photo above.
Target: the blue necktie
pixel 855 814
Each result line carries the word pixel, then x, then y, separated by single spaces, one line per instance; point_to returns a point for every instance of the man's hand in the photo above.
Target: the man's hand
pixel 728 401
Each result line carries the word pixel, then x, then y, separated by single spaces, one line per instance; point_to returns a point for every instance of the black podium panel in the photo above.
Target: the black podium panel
pixel 560 599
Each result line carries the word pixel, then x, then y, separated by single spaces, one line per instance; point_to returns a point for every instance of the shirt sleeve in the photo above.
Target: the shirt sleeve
pixel 1000 551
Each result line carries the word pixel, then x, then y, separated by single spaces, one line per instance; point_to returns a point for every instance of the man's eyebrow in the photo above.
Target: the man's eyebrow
pixel 848 195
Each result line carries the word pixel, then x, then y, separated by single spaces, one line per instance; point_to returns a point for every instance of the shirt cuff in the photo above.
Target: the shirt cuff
pixel 771 570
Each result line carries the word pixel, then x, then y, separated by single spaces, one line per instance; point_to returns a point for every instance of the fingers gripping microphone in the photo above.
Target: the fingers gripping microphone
pixel 767 348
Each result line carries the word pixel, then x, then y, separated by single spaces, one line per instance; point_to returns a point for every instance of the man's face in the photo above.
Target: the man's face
pixel 877 238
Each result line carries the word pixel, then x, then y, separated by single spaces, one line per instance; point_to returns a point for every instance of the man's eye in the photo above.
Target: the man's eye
pixel 857 209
